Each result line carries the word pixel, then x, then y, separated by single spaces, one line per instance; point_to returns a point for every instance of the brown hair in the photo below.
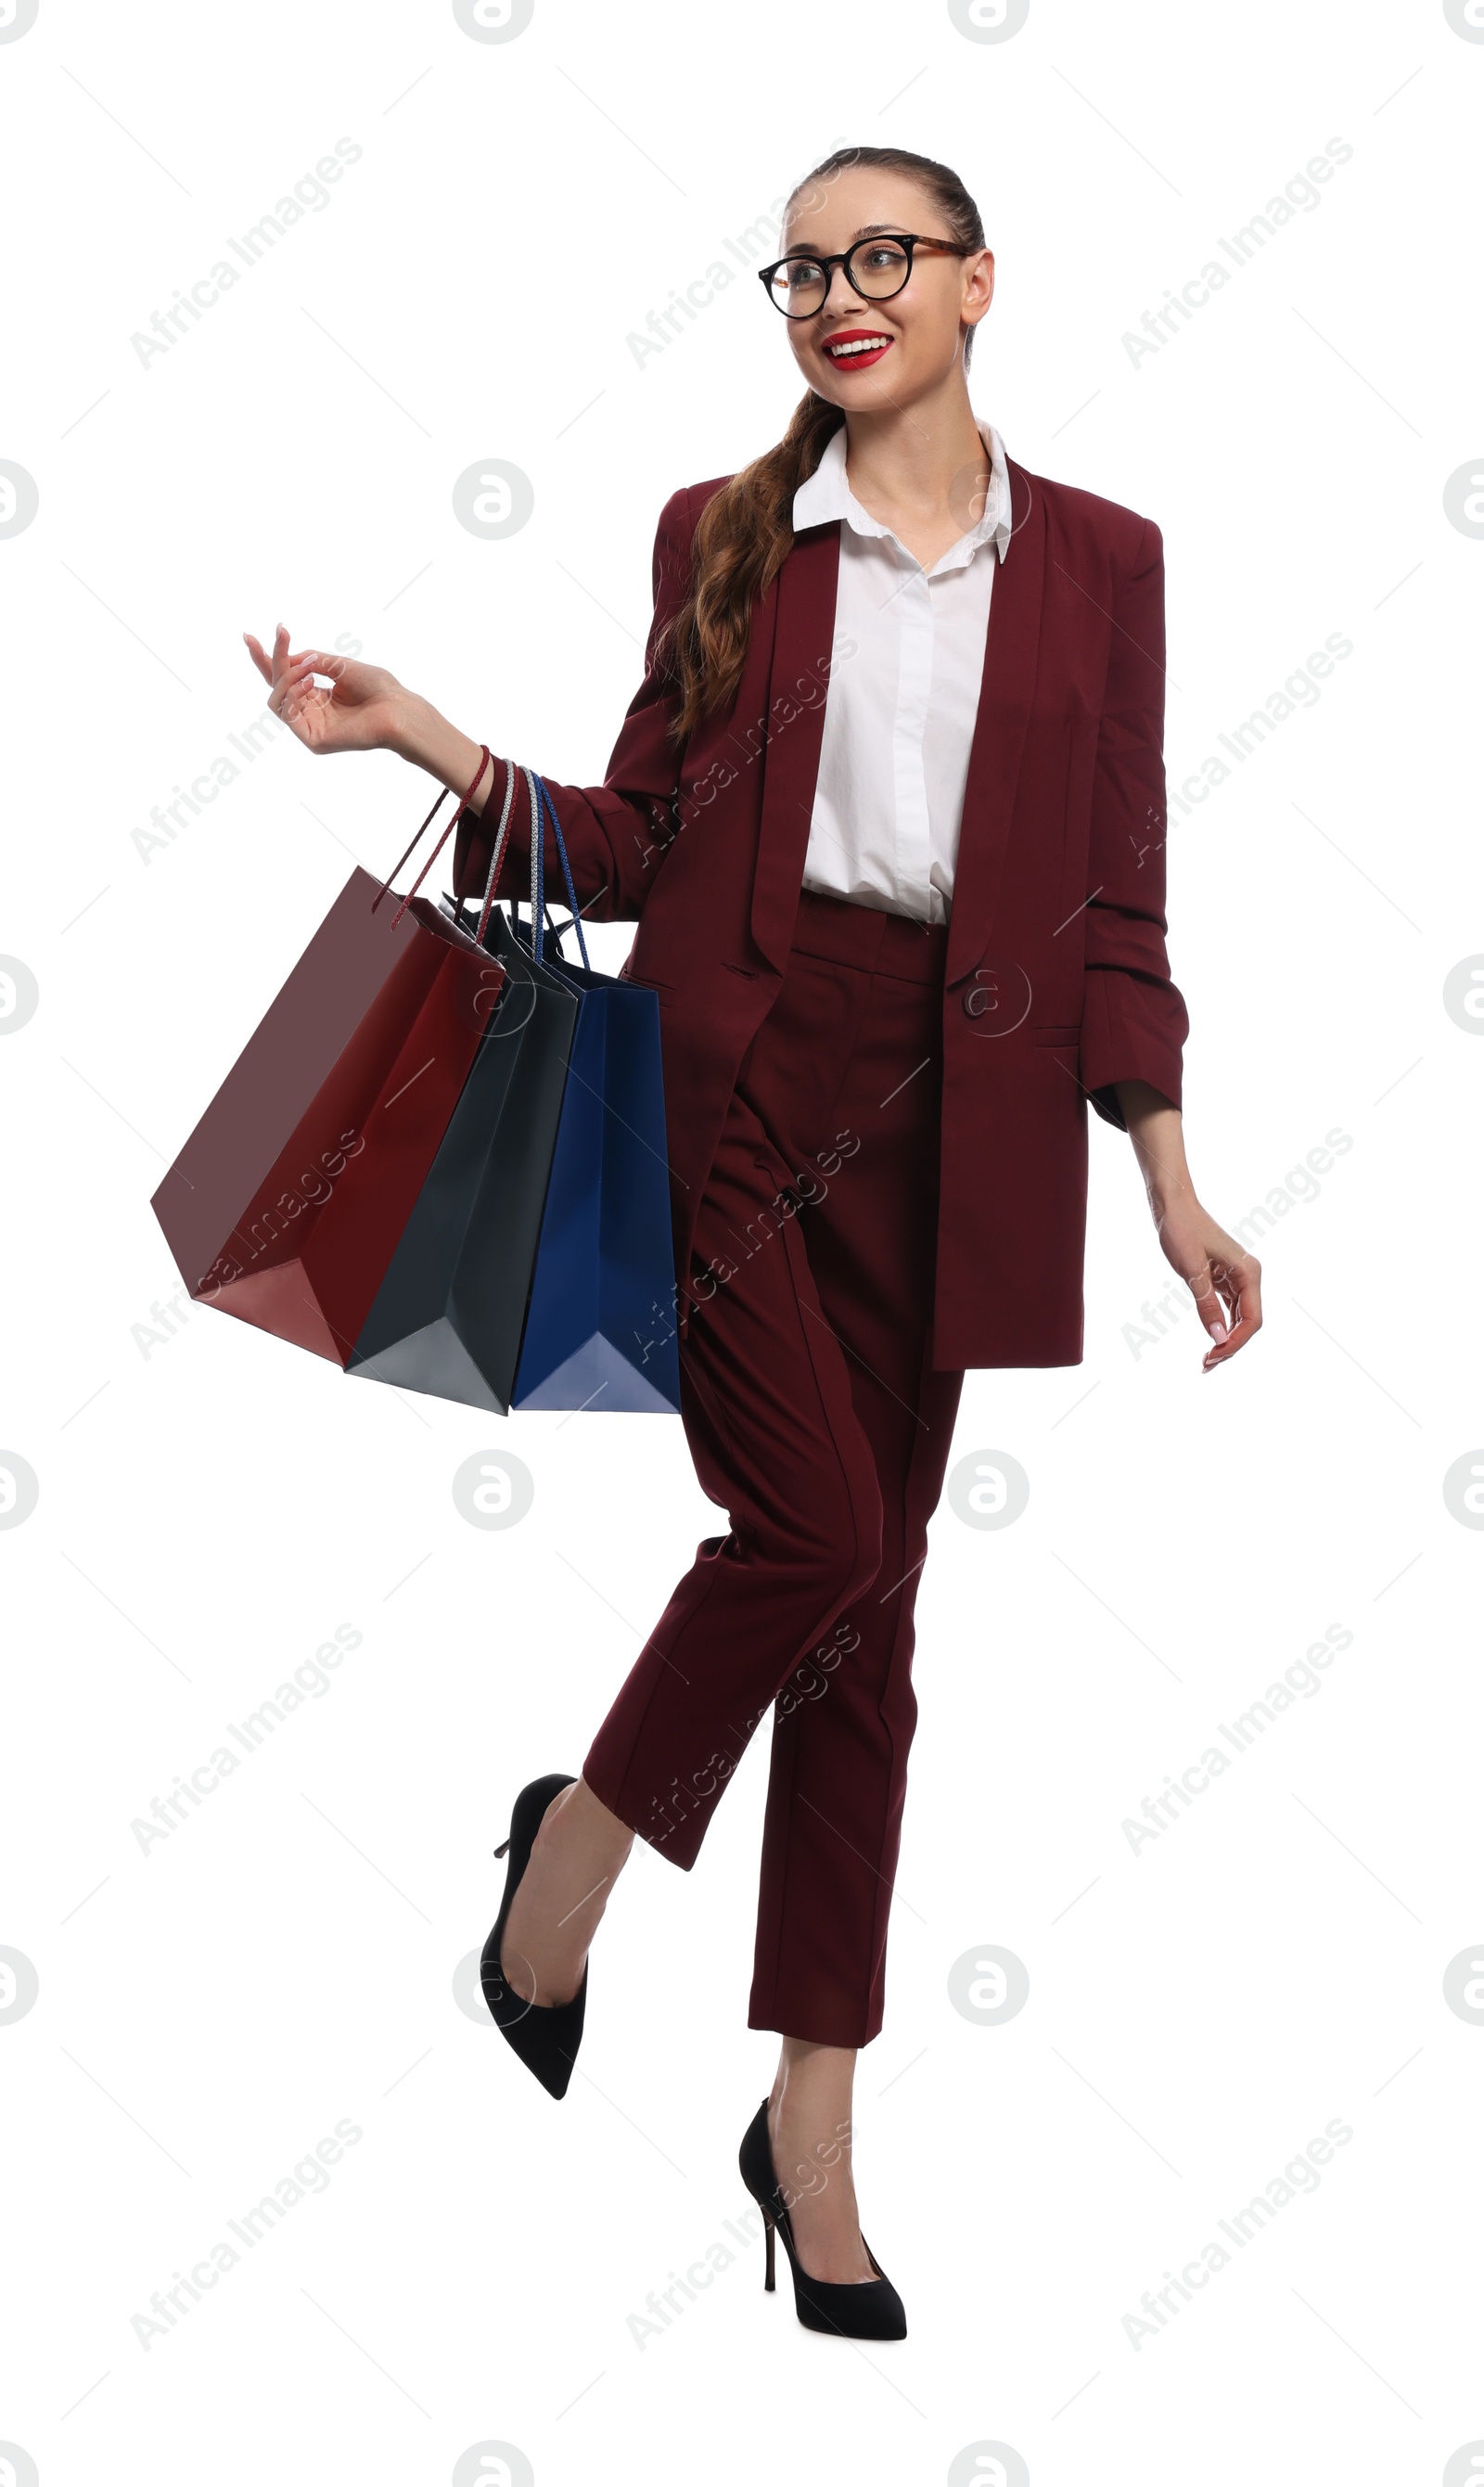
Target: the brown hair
pixel 744 534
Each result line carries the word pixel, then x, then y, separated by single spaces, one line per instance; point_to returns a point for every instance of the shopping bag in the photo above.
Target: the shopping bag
pixel 285 1203
pixel 599 1326
pixel 448 1315
pixel 537 1267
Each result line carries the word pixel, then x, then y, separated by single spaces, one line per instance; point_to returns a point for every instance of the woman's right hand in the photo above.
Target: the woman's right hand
pixel 359 710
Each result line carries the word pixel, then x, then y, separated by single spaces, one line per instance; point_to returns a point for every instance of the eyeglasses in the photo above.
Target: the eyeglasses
pixel 875 269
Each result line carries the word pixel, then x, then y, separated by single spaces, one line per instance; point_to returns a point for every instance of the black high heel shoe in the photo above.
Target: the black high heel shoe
pixel 545 2036
pixel 864 2309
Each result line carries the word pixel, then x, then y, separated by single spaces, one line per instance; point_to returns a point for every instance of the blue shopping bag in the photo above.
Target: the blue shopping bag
pixel 600 1323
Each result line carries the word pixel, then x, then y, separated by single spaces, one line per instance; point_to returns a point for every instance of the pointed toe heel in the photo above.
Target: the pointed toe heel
pixel 545 2036
pixel 865 2309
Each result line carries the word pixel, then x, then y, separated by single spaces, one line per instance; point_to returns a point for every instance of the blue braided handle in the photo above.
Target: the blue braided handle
pixel 538 902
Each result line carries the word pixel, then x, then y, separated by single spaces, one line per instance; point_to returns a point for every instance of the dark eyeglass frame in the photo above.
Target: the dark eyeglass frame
pixel 828 263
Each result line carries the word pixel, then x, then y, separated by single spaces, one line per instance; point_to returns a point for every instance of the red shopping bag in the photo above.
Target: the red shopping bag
pixel 288 1200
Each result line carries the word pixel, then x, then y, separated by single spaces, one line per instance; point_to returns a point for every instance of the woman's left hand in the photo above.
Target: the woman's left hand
pixel 1225 1281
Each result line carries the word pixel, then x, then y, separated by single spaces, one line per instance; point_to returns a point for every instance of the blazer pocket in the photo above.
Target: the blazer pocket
pixel 1056 1036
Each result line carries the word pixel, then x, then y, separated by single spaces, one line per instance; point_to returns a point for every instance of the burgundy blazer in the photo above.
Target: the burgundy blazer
pixel 1058 984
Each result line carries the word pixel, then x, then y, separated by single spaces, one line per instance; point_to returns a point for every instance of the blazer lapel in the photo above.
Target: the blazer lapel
pixel 1011 646
pixel 798 677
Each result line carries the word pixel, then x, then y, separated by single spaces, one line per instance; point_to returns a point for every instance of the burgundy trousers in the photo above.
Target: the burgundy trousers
pixel 817 1423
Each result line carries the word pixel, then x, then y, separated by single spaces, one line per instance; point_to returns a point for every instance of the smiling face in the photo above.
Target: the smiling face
pixel 858 352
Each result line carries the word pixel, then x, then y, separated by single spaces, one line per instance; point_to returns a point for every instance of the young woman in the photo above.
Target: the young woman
pixel 888 810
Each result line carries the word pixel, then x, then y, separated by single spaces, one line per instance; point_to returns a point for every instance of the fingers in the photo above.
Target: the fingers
pixel 1237 1283
pixel 270 667
pixel 288 690
pixel 1208 1303
pixel 293 678
pixel 282 667
pixel 1250 1306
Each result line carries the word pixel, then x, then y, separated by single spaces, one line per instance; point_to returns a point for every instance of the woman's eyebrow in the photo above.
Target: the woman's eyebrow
pixel 807 250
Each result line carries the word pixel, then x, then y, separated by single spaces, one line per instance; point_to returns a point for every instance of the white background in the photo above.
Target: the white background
pixel 211 1509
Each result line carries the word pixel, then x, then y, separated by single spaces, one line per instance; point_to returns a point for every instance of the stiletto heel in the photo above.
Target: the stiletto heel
pixel 866 2309
pixel 545 2036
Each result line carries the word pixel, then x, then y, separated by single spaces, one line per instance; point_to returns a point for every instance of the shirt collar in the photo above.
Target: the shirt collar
pixel 826 495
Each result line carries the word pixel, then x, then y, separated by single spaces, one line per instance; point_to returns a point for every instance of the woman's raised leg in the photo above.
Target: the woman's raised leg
pixel 576 1859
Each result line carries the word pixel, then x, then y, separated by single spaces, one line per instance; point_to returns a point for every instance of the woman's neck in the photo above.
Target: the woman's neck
pixel 914 467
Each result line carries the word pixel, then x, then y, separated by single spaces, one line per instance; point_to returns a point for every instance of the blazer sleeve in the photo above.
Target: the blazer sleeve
pixel 1135 1022
pixel 616 834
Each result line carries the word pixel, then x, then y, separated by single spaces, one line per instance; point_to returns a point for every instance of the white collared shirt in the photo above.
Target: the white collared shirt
pixel 899 711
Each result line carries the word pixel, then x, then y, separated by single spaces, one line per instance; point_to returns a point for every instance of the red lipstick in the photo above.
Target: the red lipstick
pixel 863 355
